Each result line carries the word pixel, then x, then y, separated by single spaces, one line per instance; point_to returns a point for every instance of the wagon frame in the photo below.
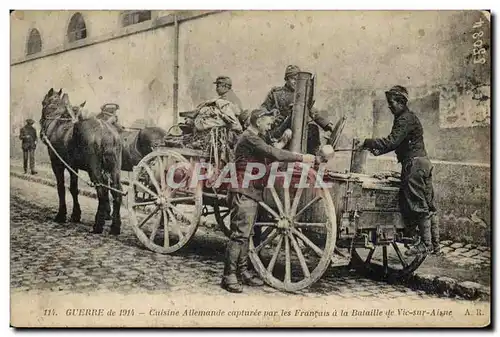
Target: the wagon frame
pixel 299 232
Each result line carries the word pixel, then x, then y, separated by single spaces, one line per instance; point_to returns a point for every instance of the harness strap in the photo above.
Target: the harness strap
pixel 88 182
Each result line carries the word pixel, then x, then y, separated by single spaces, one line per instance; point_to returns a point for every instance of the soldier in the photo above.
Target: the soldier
pixel 109 111
pixel 416 191
pixel 282 98
pixel 29 139
pixel 251 147
pixel 223 87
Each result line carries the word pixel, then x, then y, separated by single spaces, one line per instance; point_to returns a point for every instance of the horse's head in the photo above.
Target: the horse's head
pixel 76 112
pixel 79 112
pixel 51 102
pixel 51 96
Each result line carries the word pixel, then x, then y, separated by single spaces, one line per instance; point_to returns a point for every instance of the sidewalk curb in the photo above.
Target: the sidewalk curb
pixel 448 287
pixel 431 284
pixel 52 183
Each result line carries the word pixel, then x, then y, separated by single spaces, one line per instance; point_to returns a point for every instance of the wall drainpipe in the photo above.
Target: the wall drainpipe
pixel 176 70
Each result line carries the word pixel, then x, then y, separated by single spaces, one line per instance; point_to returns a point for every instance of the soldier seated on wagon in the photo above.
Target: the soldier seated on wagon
pixel 280 100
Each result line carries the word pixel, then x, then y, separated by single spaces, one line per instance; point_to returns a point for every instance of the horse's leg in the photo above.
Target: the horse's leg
pixel 117 202
pixel 103 197
pixel 96 176
pixel 108 209
pixel 58 169
pixel 73 187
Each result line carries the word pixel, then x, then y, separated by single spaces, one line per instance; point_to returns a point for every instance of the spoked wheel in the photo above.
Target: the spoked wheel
pixel 223 217
pixel 164 209
pixel 294 236
pixel 386 262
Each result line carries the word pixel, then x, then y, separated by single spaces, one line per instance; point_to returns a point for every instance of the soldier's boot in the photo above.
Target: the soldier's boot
pixel 231 284
pixel 436 248
pixel 229 281
pixel 410 232
pixel 246 276
pixel 425 244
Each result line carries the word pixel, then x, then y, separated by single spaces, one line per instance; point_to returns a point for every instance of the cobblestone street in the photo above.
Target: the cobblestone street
pixel 67 258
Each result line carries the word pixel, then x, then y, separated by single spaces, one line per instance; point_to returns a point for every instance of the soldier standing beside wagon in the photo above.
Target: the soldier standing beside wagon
pixel 251 147
pixel 416 193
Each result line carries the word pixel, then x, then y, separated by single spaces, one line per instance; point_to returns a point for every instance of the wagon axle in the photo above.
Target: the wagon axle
pixel 284 223
pixel 162 201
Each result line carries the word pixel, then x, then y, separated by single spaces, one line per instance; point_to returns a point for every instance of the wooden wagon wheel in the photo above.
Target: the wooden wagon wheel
pixel 386 262
pixel 164 217
pixel 294 236
pixel 222 216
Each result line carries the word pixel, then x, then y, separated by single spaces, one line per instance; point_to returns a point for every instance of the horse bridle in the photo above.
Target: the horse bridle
pixel 45 127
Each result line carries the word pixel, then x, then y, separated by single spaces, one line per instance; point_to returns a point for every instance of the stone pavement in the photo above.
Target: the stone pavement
pixel 465 268
pixel 465 254
pixel 67 258
pixel 459 254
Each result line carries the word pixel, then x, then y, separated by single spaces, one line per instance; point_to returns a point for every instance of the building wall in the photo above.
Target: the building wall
pixel 263 43
pixel 118 70
pixel 355 58
pixel 53 26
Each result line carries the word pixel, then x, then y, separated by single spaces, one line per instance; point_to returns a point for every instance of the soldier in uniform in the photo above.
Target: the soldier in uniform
pixel 224 88
pixel 251 147
pixel 109 112
pixel 281 99
pixel 29 139
pixel 416 191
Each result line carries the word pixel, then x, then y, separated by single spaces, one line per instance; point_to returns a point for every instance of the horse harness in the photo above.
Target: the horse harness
pixel 45 139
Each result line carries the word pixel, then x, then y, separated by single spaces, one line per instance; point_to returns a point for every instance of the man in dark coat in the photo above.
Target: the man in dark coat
pixel 251 147
pixel 29 139
pixel 281 99
pixel 416 192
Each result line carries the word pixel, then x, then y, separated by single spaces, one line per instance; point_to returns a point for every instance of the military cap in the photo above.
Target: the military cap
pixel 398 90
pixel 291 70
pixel 30 121
pixel 224 79
pixel 110 107
pixel 258 113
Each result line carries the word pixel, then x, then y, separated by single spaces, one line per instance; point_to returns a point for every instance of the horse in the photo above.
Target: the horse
pixel 86 144
pixel 137 143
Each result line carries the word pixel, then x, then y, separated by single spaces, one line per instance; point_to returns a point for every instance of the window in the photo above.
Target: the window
pixel 133 17
pixel 34 42
pixel 76 28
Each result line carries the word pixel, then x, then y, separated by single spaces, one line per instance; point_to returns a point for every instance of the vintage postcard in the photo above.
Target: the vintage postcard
pixel 250 168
